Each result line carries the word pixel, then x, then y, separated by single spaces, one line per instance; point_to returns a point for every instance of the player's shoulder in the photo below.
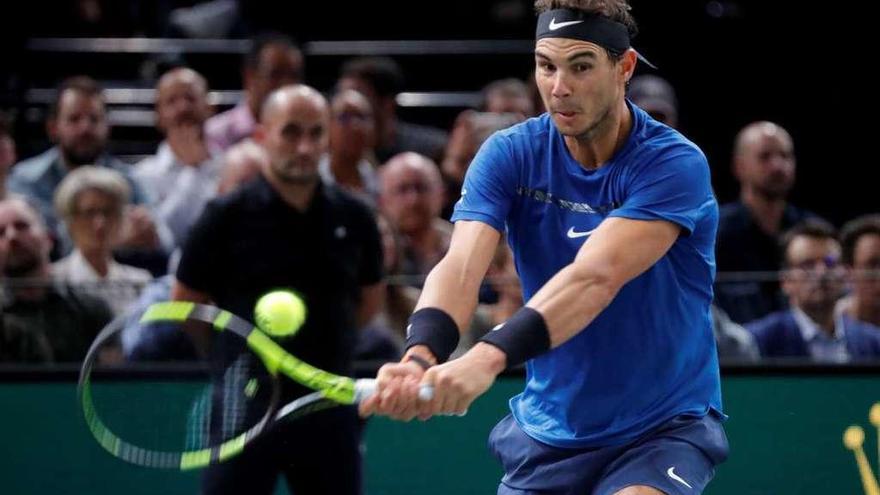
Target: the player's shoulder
pixel 659 141
pixel 525 139
pixel 527 130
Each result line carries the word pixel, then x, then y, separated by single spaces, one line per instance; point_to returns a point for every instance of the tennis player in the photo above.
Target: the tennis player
pixel 612 220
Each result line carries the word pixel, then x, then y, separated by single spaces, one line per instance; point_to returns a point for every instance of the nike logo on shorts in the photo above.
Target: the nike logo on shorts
pixel 572 234
pixel 671 473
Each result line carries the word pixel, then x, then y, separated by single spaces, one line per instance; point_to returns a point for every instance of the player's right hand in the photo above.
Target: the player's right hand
pixel 397 387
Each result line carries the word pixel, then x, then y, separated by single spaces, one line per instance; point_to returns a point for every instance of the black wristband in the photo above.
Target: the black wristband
pixel 434 328
pixel 419 360
pixel 522 337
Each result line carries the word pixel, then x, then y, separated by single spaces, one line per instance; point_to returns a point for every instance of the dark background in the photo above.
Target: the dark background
pixel 731 62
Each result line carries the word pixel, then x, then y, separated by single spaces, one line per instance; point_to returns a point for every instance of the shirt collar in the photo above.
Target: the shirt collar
pixel 810 329
pixel 82 271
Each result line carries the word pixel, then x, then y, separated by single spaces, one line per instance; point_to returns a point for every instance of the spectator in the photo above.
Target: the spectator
pixel 287 229
pixel 412 197
pixel 656 96
pixel 469 132
pixel 61 321
pixel 733 341
pixel 7 153
pixel 182 176
pixel 860 241
pixel 813 281
pixel 91 201
pixel 380 79
pixel 242 163
pixel 508 96
pixel 272 61
pixel 748 229
pixel 78 125
pixel 352 133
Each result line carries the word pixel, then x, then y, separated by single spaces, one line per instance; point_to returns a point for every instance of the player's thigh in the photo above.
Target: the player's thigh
pixel 678 458
pixel 532 467
pixel 639 490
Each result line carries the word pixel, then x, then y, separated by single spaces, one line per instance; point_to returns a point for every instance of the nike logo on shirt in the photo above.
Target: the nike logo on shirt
pixel 556 25
pixel 572 234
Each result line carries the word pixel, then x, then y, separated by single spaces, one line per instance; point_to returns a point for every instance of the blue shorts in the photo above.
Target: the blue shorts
pixel 678 457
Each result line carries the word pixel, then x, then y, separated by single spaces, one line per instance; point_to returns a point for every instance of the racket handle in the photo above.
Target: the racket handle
pixel 364 388
pixel 426 392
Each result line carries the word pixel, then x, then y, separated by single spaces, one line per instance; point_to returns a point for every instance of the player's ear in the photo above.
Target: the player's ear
pixel 627 64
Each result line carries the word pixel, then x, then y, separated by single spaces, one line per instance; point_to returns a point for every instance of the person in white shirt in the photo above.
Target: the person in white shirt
pixel 182 176
pixel 91 201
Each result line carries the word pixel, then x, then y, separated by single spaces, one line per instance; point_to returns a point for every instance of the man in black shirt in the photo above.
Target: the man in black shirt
pixel 749 229
pixel 287 230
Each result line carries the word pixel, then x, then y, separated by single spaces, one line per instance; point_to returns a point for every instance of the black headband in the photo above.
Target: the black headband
pixel 575 24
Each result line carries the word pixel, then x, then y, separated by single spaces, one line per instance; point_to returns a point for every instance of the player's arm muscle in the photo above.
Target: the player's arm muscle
pixel 454 283
pixel 619 250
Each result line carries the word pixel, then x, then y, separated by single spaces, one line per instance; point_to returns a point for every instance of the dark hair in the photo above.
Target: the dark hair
pixel 382 73
pixel 616 10
pixel 853 230
pixel 261 41
pixel 814 228
pixel 83 85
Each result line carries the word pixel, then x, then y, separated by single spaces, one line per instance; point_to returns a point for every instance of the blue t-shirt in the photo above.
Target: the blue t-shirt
pixel 650 355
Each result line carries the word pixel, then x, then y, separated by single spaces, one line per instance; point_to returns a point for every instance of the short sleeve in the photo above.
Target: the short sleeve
pixel 489 185
pixel 676 189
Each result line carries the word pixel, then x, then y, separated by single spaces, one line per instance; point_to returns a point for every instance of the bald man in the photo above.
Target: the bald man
pixel 286 229
pixel 412 199
pixel 764 165
pixel 182 176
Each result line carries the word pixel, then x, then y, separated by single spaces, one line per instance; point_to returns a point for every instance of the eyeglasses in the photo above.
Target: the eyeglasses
pixel 92 213
pixel 812 264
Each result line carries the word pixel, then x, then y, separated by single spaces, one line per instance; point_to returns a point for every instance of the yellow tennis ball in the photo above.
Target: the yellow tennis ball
pixel 280 313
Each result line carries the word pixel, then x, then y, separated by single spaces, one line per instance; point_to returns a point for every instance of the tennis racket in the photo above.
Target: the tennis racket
pixel 216 409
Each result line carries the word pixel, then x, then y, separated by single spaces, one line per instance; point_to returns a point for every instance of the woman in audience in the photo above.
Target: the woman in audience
pixel 91 201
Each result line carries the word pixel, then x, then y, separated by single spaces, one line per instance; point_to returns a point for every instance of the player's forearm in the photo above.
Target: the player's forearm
pixel 572 299
pixel 453 288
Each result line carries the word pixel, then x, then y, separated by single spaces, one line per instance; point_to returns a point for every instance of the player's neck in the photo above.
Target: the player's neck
pixel 598 145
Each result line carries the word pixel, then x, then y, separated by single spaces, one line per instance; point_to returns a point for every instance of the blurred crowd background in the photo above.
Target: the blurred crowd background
pixel 119 121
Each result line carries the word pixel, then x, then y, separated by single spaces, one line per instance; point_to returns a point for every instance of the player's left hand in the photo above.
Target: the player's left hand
pixel 458 382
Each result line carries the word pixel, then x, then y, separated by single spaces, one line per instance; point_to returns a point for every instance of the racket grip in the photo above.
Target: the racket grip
pixel 364 388
pixel 426 392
